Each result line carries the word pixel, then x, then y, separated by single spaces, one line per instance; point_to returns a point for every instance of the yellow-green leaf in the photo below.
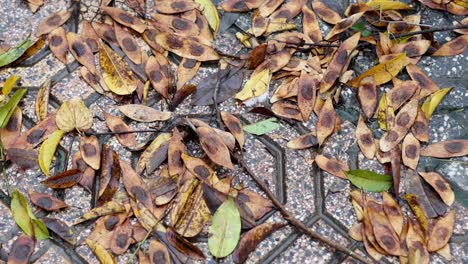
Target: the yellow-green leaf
pixel 431 103
pixel 255 86
pixel 14 53
pixel 101 252
pixel 7 110
pixel 24 217
pixel 383 5
pixel 47 150
pixel 210 12
pixel 9 83
pixel 370 181
pixel 383 72
pixel 74 114
pixel 225 229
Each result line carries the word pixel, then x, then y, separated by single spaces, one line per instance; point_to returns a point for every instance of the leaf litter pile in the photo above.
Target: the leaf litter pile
pixel 155 208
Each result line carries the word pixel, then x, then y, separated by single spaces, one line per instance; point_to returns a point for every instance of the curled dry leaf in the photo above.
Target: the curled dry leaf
pixel 446 149
pixel 63 180
pixel 326 121
pixel 21 250
pixel 234 126
pixel 424 82
pixel 332 166
pixel 90 151
pixel 393 212
pixel 42 100
pixel 410 151
pixel 186 47
pixel 144 113
pixel 303 142
pixel 38 133
pixel 214 147
pixel 116 124
pixel 81 51
pixel 109 208
pixel 158 252
pixel 58 44
pixel 128 44
pixel 135 186
pixel 383 72
pixel 343 25
pixel 440 185
pixel 116 73
pixel 151 150
pixel 325 13
pixel 453 47
pixel 125 19
pixel 365 139
pixel 46 202
pixel 52 22
pixel 73 114
pixel 186 70
pixel 183 246
pixel 110 175
pixel 47 150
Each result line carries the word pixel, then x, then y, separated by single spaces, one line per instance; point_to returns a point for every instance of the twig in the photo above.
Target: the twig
pixel 430 31
pixel 291 219
pixel 121 132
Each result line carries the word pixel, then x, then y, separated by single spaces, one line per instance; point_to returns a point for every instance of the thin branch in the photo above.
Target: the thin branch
pixel 121 132
pixel 430 31
pixel 292 220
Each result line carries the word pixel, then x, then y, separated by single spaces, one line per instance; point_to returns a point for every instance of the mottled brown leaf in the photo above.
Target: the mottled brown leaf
pixel 332 166
pixel 52 22
pixel 116 124
pixel 128 44
pixel 21 250
pixel 63 180
pixel 58 44
pixel 125 18
pixel 46 201
pixel 365 139
pixel 446 149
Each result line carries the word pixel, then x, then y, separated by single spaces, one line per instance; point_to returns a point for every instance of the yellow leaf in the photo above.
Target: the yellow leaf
pixel 255 86
pixel 42 100
pixel 383 5
pixel 431 103
pixel 382 112
pixel 101 253
pixel 47 150
pixel 9 83
pixel 210 12
pixel 383 72
pixel 116 73
pixel 74 114
pixel 151 149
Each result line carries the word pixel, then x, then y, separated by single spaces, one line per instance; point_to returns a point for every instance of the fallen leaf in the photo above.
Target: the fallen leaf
pixel 135 186
pixel 310 24
pixel 125 18
pixel 121 238
pixel 25 218
pixel 35 4
pixel 440 185
pixel 7 110
pixel 116 124
pixel 183 246
pixel 175 7
pixel 58 44
pixel 144 113
pixel 257 85
pixel 186 47
pixel 393 212
pixel 210 12
pixel 150 150
pixel 47 150
pixel 306 95
pixel 431 103
pixel 214 147
pixel 73 114
pixel 420 128
pixel 343 25
pixel 225 229
pixel 384 5
pixel 326 121
pixel 52 22
pixel 453 47
pixel 90 151
pixel 186 70
pixel 427 85
pixel 401 93
pixel 12 130
pixel 60 228
pixel 108 208
pixel 110 175
pixel 262 127
pixel 383 72
pixel 128 44
pixel 325 13
pixel 63 180
pixel 101 253
pixel 80 50
pixel 303 142
pixel 446 149
pixel 21 250
pixel 365 139
pixel 333 166
pixel 234 126
pixel 369 181
pixel 158 252
pixel 410 151
pixel 42 100
pixel 46 202
pixel 412 49
pixel 89 36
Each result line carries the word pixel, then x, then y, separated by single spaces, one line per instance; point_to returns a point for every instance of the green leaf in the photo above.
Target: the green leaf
pixel 262 127
pixel 370 181
pixel 14 53
pixel 361 27
pixel 25 219
pixel 225 229
pixel 7 110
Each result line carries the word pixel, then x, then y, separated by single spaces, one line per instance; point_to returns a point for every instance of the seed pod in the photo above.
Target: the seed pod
pixel 157 77
pixel 63 180
pixel 441 232
pixel 417 251
pixel 105 32
pixel 367 95
pixel 412 49
pixel 420 128
pixel 446 149
pixel 175 149
pixel 289 10
pixel 125 19
pixel 343 25
pixel 402 92
pixel 89 36
pixel 116 124
pixel 205 31
pixel 21 250
pixel 310 25
pixel 186 70
pixel 286 110
pixel 306 94
pixel 121 238
pixel 46 202
pixel 38 133
pixel 186 47
pixel 325 13
pixel 58 44
pixel 326 121
pixel 369 233
pixel 197 167
pixel 393 212
pixel 214 147
pixel 365 139
pixel 135 186
pixel 268 7
pixel 128 44
pixel 158 253
pixel 279 59
pixel 93 80
pixel 52 22
pixel 10 134
pixel 90 151
pixel 427 85
pixel 410 151
pixel 383 230
pixel 440 185
pixel 453 47
pixel 149 36
pixel 259 24
pixel 227 137
pixel 303 142
pixel 80 50
pixel 332 166
pixel 403 121
pixel 174 7
pixel 180 26
pixel 234 126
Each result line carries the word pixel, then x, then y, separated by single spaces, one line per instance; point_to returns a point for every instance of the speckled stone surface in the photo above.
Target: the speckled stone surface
pixel 319 200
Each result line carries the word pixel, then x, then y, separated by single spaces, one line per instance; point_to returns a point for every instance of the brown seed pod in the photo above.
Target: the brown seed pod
pixel 12 131
pixel 58 44
pixel 52 22
pixel 227 137
pixel 402 92
pixel 42 100
pixel 46 202
pixel 149 36
pixel 80 50
pixel 355 232
pixel 420 128
pixel 287 89
pixel 89 36
pixel 403 121
pixel 259 24
pixel 453 47
pixel 286 110
pixel 393 212
pixel 125 18
pixel 234 126
pixel 63 180
pixel 325 13
pixel 178 25
pixel 110 175
pixel 38 133
pixel 417 251
pixel 332 166
pixel 158 253
pixel 116 124
pixel 157 77
pixel 128 44
pixel 21 250
pixel 143 113
pixel 367 95
pixel 369 248
pixel 214 147
pixel 410 151
pixel 280 59
pixel 440 185
pixel 343 25
pixel 306 94
pixel 174 7
pixel 186 47
pixel 310 25
pixel 412 49
pixel 441 232
pixel 197 167
pixel 181 94
pixel 93 80
pixel 135 186
pixel 121 238
pixel 175 149
pixel 205 31
pixel 365 139
pixel 424 82
pixel 369 233
pixel 446 149
pixel 289 10
pixel 105 32
pixel 186 70
pixel 268 7
pixel 303 142
pixel 326 121
pixel 90 151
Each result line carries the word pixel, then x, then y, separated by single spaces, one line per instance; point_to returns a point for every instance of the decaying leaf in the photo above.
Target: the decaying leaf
pixel 12 130
pixel 365 139
pixel 400 93
pixel 186 70
pixel 121 238
pixel 157 76
pixel 343 25
pixel 42 100
pixel 446 149
pixel 306 94
pixel 311 25
pixel 52 22
pixel 355 232
pixel 47 150
pixel 234 126
pixel 303 142
pixel 393 212
pixel 110 175
pixel 81 51
pixel 116 124
pixel 225 229
pixel 46 202
pixel 425 83
pixel 35 4
pixel 60 228
pixel 144 113
pixel 109 208
pixel 73 114
pixel 125 19
pixel 63 180
pixel 101 253
pixel 135 186
pixel 151 150
pixel 431 103
pixel 420 128
pixel 369 181
pixel 332 166
pixel 58 44
pixel 158 252
pixel 116 73
pixel 417 251
pixel 186 47
pixel 257 85
pixel 38 133
pixel 90 151
pixel 440 185
pixel 128 44
pixel 183 246
pixel 214 147
pixel 383 72
pixel 325 13
pixel 326 121
pixel 21 250
pixel 453 47
pixel 410 151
